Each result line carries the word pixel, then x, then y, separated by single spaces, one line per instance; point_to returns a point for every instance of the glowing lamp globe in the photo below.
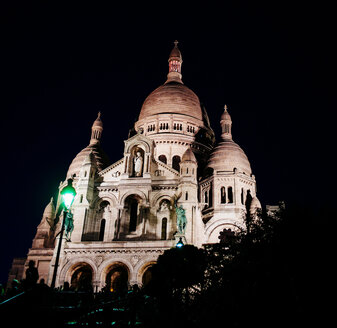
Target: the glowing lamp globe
pixel 68 194
pixel 180 243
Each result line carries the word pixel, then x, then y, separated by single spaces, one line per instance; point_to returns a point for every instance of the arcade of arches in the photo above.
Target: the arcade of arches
pixel 115 278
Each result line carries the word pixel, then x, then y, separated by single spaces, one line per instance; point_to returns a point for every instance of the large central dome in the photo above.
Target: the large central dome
pixel 172 97
pixel 174 119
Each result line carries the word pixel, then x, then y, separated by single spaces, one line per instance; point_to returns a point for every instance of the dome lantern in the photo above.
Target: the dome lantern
pixel 226 125
pixel 96 130
pixel 175 61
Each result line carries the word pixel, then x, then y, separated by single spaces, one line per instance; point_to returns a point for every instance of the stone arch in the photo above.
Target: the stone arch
pixel 110 266
pixel 161 211
pixel 105 196
pixel 71 267
pixel 139 142
pixel 213 230
pixel 142 268
pixel 155 202
pixel 133 192
pixel 103 208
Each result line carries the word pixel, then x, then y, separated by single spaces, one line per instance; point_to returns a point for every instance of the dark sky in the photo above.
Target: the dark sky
pixel 271 63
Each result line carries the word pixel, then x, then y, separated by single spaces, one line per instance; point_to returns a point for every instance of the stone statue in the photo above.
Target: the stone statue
pixel 138 164
pixel 181 219
pixel 69 225
pixel 164 206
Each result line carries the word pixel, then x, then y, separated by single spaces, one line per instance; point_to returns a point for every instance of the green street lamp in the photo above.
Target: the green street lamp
pixel 180 243
pixel 68 194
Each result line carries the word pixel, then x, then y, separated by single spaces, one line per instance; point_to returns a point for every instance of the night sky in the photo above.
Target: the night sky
pixel 271 63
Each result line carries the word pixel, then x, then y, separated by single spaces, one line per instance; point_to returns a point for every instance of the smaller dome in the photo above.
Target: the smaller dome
pixel 227 156
pixel 102 160
pixel 188 156
pixel 92 153
pixel 49 211
pixel 254 205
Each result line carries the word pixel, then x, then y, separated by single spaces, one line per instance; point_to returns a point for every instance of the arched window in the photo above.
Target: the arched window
pixel 101 230
pixel 133 214
pixel 230 195
pixel 223 195
pixel 176 162
pixel 206 198
pixel 164 229
pixel 163 159
pixel 248 199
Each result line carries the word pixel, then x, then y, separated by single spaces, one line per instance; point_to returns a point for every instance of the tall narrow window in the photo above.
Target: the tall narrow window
pixel 133 215
pixel 164 229
pixel 230 195
pixel 206 198
pixel 101 230
pixel 242 197
pixel 223 195
pixel 176 162
pixel 186 195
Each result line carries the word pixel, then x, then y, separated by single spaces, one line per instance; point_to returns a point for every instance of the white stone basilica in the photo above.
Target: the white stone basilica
pixel 125 213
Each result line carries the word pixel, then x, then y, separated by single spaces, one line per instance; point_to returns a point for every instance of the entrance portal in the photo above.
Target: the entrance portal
pixel 147 276
pixel 117 279
pixel 81 279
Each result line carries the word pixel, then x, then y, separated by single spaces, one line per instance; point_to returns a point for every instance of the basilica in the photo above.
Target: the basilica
pixel 173 183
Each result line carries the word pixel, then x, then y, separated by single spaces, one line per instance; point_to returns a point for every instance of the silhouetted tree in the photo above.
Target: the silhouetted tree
pixel 176 279
pixel 268 275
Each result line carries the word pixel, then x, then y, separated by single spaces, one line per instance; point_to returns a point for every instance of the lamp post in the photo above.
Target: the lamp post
pixel 68 194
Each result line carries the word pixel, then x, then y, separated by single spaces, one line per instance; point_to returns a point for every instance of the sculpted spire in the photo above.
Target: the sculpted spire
pixel 175 61
pixel 96 130
pixel 226 125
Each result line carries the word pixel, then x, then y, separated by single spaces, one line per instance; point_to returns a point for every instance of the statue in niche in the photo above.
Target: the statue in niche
pixel 164 206
pixel 138 164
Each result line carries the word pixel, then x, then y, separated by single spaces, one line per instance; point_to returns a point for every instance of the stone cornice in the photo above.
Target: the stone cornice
pixel 91 251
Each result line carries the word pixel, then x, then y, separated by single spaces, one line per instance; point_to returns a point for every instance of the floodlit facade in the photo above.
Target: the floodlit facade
pixel 172 182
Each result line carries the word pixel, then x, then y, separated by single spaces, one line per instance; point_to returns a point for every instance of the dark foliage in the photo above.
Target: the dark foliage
pixel 268 275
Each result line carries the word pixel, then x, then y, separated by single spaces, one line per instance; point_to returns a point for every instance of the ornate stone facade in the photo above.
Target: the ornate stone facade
pixel 125 213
